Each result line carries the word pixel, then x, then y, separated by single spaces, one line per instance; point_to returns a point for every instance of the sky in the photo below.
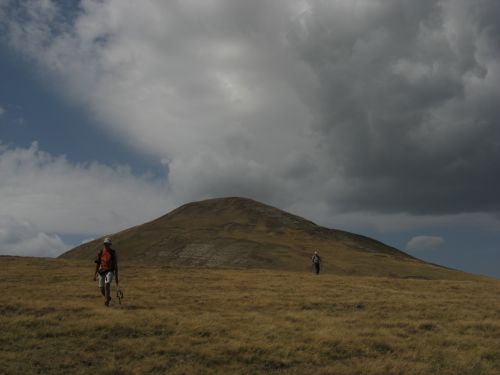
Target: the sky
pixel 379 117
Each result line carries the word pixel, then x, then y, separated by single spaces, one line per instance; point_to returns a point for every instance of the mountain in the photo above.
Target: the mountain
pixel 240 232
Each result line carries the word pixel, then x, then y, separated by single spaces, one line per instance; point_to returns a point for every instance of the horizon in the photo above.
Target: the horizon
pixel 377 118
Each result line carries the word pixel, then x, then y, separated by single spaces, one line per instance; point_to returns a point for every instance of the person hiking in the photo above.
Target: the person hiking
pixel 106 267
pixel 316 260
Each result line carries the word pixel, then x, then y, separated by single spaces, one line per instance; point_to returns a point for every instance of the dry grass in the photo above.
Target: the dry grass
pixel 206 321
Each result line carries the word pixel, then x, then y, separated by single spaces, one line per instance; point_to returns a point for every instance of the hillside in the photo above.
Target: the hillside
pixel 181 321
pixel 240 232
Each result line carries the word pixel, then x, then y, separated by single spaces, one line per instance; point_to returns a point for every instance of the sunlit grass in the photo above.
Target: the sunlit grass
pixel 221 321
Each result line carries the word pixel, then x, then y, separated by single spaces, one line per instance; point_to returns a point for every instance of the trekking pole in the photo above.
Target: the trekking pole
pixel 119 293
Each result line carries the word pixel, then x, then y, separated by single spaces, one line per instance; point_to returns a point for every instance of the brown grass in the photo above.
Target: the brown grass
pixel 215 321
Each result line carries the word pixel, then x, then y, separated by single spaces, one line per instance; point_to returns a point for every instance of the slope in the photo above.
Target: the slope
pixel 240 232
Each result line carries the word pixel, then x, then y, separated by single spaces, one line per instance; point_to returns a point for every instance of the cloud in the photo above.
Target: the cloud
pixel 54 195
pixel 218 98
pixel 87 240
pixel 422 243
pixel 406 102
pixel 22 238
pixel 2 111
pixel 361 109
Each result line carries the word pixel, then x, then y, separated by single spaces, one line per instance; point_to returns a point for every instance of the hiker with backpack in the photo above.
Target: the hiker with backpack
pixel 106 268
pixel 316 261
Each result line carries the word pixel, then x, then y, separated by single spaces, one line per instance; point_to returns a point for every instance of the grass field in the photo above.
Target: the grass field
pixel 221 321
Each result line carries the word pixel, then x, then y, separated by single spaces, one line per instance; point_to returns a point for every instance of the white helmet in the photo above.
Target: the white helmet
pixel 107 241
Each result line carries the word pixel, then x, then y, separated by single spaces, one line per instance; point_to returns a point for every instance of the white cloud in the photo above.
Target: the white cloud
pixel 57 196
pixel 2 111
pixel 217 98
pixel 87 240
pixel 22 238
pixel 421 243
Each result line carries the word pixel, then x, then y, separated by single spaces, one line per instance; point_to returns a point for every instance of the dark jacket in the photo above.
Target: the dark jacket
pixel 316 259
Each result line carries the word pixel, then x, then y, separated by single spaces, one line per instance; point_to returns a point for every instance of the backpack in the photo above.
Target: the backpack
pixel 112 262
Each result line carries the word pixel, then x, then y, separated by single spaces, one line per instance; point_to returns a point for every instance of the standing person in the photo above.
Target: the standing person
pixel 106 267
pixel 316 260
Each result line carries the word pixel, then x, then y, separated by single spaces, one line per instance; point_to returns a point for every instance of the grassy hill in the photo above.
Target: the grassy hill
pixel 239 232
pixel 197 320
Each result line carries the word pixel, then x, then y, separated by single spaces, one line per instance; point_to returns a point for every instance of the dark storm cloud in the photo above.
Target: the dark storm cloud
pixel 407 101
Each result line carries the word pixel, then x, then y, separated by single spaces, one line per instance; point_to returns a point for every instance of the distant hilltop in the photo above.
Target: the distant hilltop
pixel 243 233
